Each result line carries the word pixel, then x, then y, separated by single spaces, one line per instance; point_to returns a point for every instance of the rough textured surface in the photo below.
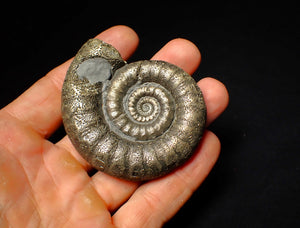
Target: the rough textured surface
pixel 141 123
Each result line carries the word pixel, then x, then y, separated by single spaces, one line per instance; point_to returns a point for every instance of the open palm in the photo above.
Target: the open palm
pixel 47 185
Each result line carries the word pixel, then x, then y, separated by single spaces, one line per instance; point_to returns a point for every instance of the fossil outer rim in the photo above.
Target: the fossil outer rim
pixel 97 122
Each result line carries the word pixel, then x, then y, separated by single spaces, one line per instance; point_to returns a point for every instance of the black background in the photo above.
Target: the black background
pixel 252 48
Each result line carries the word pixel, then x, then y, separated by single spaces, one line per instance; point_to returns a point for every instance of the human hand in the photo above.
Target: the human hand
pixel 47 185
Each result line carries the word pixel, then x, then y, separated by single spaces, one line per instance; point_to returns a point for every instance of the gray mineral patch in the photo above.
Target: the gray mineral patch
pixel 95 70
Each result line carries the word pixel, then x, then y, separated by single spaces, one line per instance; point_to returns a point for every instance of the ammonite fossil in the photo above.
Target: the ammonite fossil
pixel 134 121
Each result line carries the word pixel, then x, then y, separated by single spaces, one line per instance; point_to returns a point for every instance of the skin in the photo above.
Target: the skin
pixel 47 185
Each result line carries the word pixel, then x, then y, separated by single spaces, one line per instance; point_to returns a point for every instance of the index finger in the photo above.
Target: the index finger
pixel 39 106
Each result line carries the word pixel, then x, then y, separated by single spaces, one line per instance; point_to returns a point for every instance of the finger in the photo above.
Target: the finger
pixel 39 106
pixel 66 144
pixel 72 187
pixel 186 55
pixel 112 190
pixel 215 96
pixel 157 201
pixel 180 52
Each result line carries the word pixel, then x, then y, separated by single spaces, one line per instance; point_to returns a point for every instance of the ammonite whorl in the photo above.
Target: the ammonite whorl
pixel 135 121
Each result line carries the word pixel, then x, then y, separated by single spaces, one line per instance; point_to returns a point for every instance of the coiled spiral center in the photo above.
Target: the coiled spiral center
pixel 145 112
pixel 146 109
pixel 147 102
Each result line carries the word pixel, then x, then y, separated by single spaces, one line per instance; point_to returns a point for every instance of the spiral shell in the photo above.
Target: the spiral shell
pixel 134 121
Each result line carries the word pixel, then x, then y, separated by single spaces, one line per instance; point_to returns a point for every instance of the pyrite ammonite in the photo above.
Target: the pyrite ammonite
pixel 134 121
